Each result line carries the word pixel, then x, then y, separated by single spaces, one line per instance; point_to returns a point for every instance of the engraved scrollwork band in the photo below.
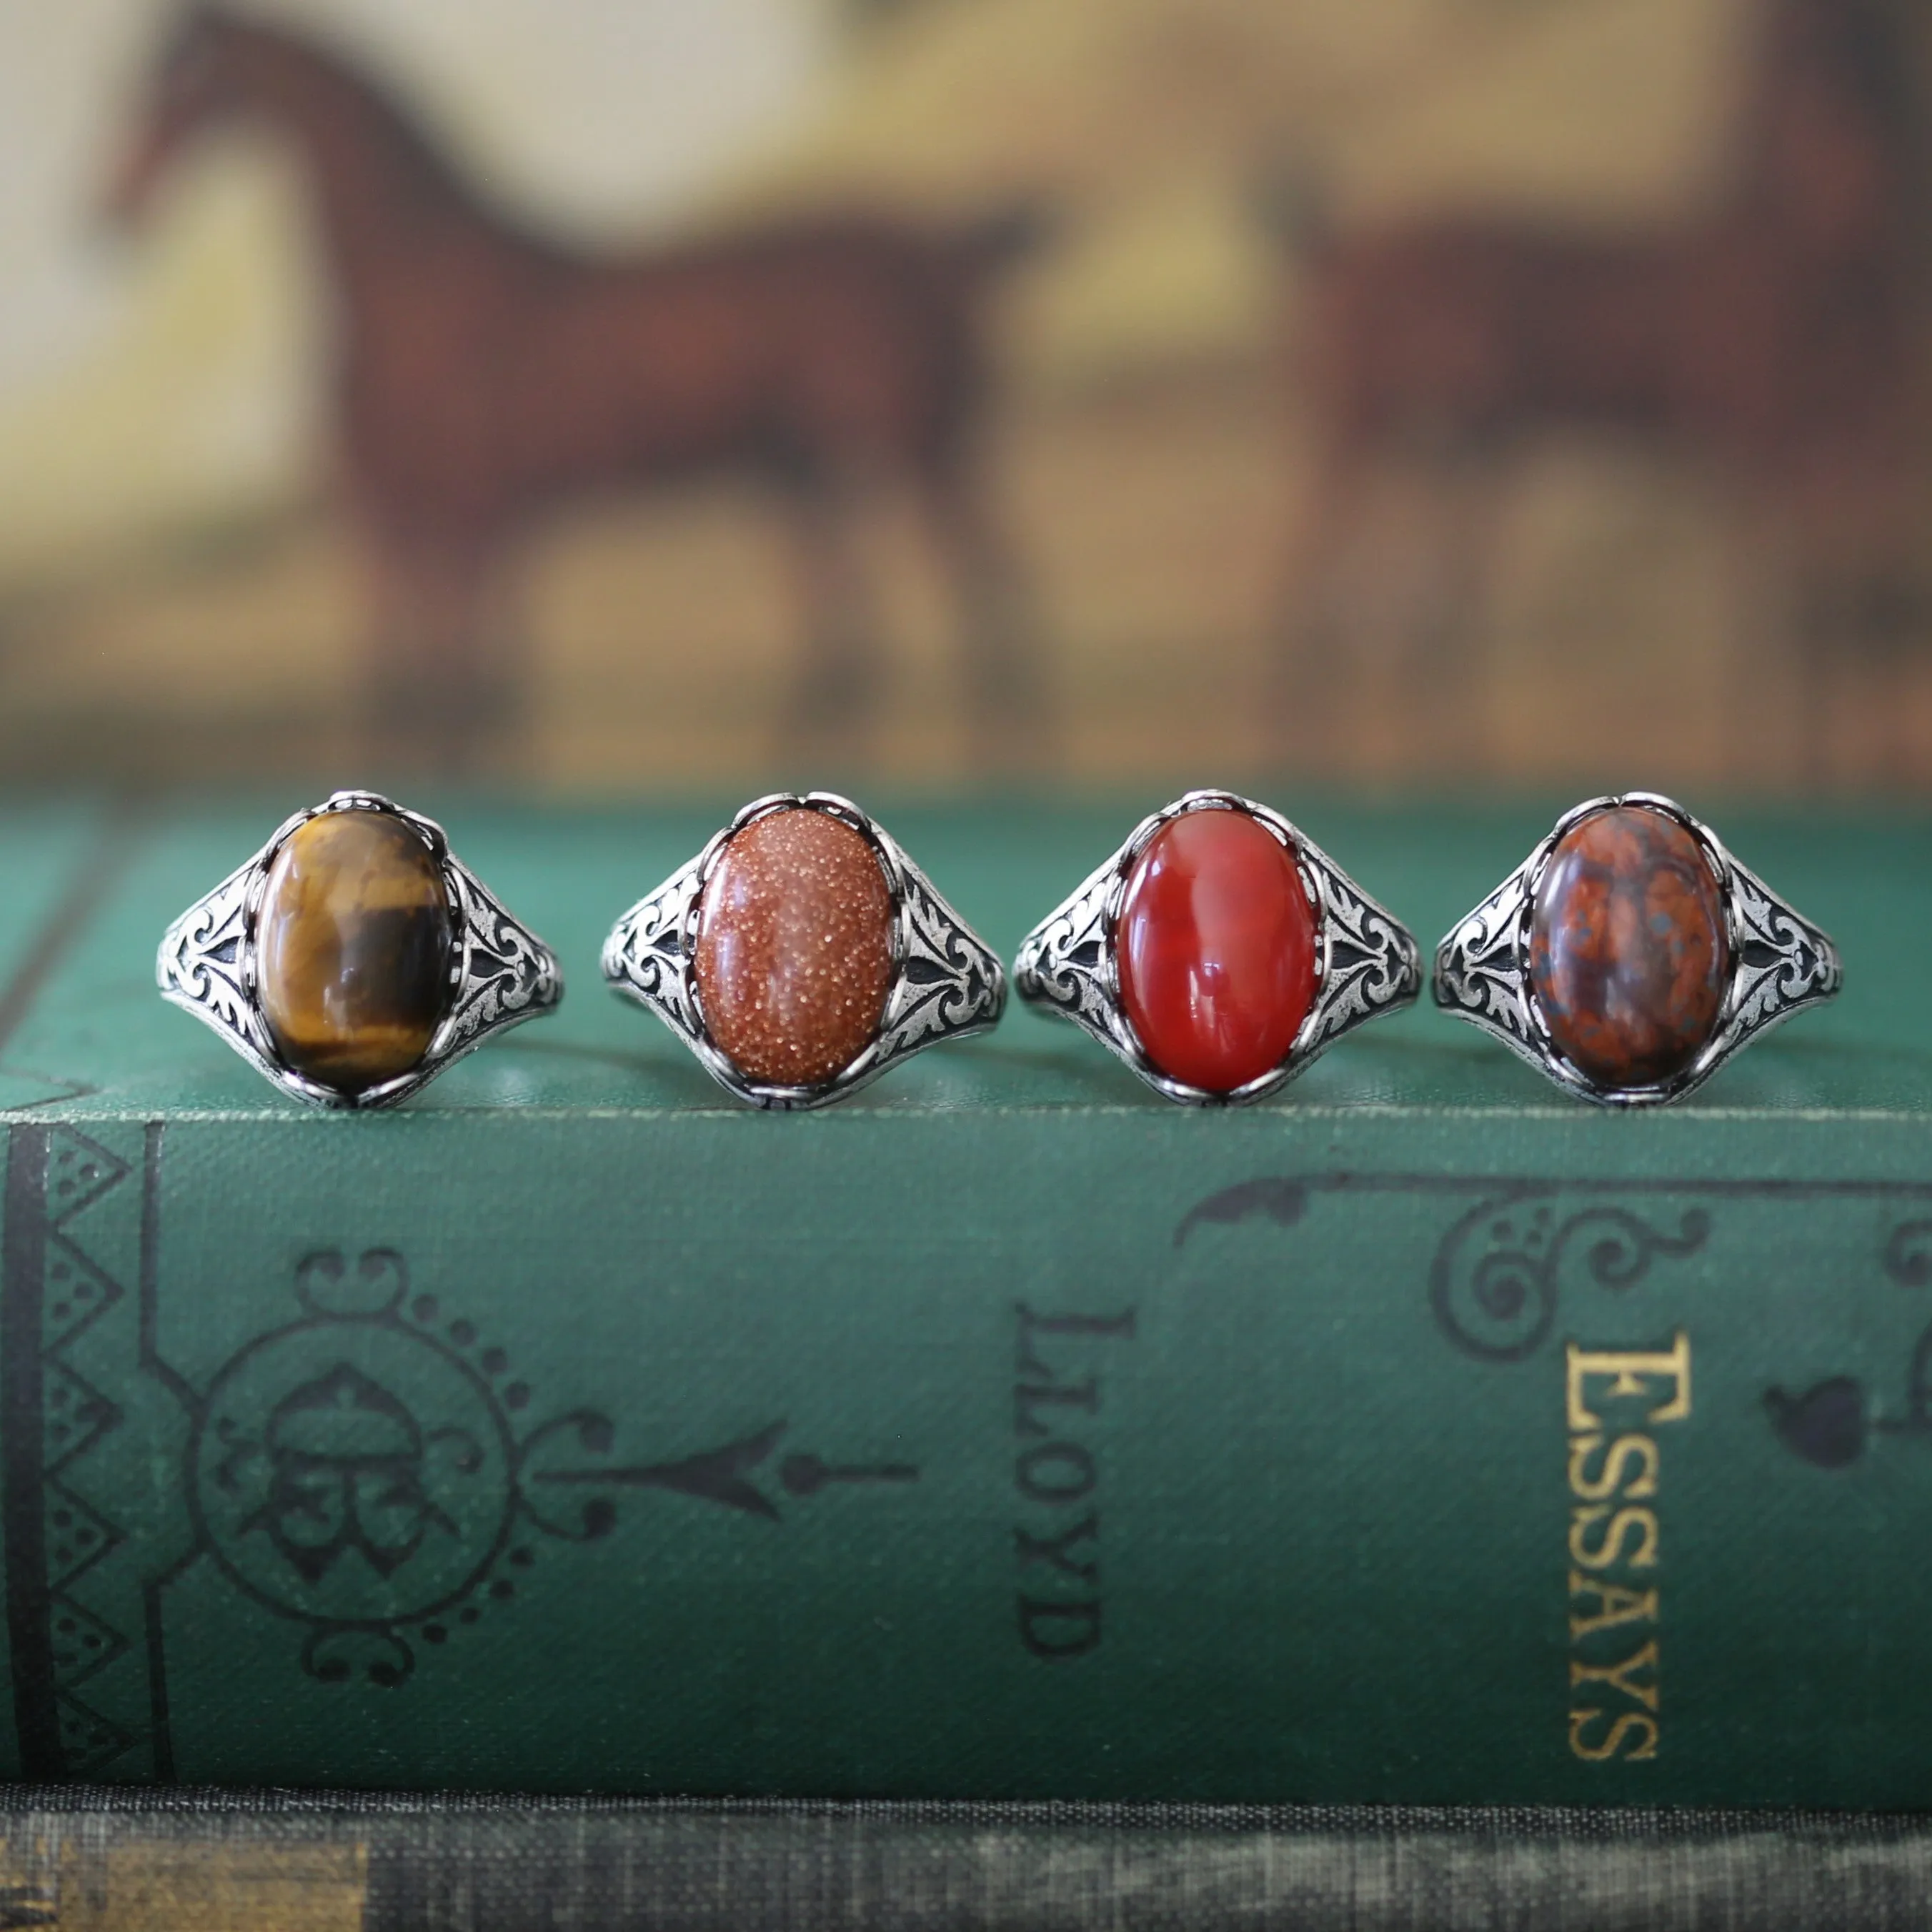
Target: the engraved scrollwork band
pixel 500 973
pixel 1367 963
pixel 1779 963
pixel 945 983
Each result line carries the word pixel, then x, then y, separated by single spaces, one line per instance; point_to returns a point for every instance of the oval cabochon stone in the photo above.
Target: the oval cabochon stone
pixel 794 957
pixel 1216 944
pixel 353 949
pixel 1628 953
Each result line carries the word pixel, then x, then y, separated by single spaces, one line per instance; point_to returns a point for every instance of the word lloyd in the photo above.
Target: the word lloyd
pixel 1612 1529
pixel 1060 1474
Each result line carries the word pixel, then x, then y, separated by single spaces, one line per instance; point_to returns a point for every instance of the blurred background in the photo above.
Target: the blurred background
pixel 627 395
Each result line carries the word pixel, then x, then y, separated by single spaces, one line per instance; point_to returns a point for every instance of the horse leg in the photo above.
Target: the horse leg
pixel 1441 667
pixel 837 691
pixel 1765 671
pixel 1851 623
pixel 493 654
pixel 425 691
pixel 1009 711
pixel 1309 676
pixel 1819 643
pixel 1890 604
pixel 1888 620
pixel 1780 736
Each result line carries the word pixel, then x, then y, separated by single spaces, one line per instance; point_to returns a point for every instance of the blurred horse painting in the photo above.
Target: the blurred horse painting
pixel 1773 339
pixel 487 377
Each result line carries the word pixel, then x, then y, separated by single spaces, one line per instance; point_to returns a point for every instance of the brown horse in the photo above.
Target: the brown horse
pixel 1773 339
pixel 487 376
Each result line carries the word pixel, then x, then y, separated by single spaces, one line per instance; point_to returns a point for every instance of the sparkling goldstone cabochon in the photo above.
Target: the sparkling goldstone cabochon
pixel 794 957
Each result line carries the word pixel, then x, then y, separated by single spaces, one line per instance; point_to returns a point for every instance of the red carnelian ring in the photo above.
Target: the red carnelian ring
pixel 1217 952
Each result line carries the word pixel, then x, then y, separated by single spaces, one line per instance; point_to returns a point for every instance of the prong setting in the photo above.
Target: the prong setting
pixel 500 974
pixel 1780 962
pixel 1366 963
pixel 945 984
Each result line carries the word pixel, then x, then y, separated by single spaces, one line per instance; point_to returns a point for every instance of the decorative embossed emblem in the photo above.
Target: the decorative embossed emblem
pixel 1831 1423
pixel 353 1471
pixel 366 1470
pixel 1500 1269
pixel 1497 1274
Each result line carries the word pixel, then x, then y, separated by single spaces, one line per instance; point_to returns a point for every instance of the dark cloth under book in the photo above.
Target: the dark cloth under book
pixel 279 1861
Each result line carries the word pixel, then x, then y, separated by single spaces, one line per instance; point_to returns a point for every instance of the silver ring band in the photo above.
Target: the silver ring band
pixel 500 973
pixel 1779 963
pixel 945 983
pixel 1367 963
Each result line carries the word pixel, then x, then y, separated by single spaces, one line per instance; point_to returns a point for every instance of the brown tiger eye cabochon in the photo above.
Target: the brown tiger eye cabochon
pixel 1628 952
pixel 794 959
pixel 352 944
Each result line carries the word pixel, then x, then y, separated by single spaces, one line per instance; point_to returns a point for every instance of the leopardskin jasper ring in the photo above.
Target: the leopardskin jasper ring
pixel 801 953
pixel 1218 951
pixel 354 956
pixel 1630 954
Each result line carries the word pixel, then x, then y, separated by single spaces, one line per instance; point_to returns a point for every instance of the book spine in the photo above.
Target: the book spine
pixel 1283 1457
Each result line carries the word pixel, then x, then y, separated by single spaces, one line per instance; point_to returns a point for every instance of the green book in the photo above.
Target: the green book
pixel 1419 1435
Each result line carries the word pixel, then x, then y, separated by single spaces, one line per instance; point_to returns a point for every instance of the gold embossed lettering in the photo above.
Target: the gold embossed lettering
pixel 1620 1676
pixel 1615 1605
pixel 1610 1546
pixel 1630 1374
pixel 1631 1722
pixel 1610 1473
pixel 1610 1479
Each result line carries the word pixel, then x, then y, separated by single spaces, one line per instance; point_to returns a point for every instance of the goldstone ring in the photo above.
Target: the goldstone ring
pixel 1630 954
pixel 354 956
pixel 1218 951
pixel 801 953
